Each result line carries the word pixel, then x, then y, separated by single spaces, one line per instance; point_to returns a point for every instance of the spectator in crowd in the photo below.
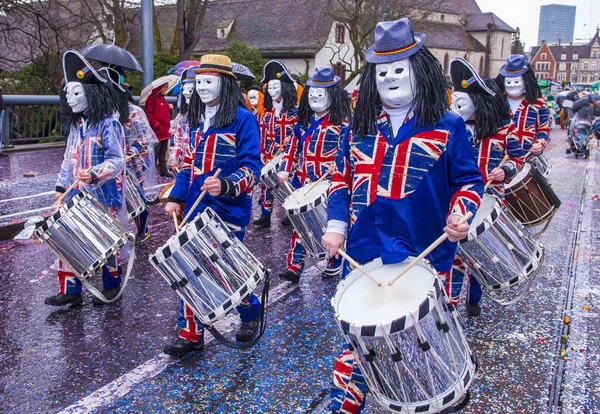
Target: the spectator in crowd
pixel 159 114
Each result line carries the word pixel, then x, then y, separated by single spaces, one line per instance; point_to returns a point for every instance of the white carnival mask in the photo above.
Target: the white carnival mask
pixel 274 89
pixel 318 99
pixel 187 90
pixel 253 97
pixel 515 87
pixel 208 87
pixel 76 97
pixel 463 105
pixel 395 83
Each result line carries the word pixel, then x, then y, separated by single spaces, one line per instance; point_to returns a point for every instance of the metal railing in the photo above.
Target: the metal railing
pixel 31 119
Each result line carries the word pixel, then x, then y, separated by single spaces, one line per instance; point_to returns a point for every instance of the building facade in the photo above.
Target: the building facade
pixel 557 23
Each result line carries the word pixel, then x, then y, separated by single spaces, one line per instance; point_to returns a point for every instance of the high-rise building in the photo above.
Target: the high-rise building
pixel 557 24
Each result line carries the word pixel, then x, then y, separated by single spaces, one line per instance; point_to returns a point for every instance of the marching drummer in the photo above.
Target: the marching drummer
pixel 323 116
pixel 405 173
pixel 93 161
pixel 224 135
pixel 139 146
pixel 530 114
pixel 276 125
pixel 493 136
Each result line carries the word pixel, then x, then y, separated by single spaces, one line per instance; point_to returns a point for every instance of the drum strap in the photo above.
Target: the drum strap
pixel 262 322
pixel 459 407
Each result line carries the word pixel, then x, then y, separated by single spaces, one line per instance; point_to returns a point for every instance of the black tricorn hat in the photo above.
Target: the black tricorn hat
pixel 276 70
pixel 113 76
pixel 466 79
pixel 77 69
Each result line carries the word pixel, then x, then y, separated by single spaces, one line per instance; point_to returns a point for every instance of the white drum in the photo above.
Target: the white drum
pixel 268 176
pixel 500 253
pixel 405 338
pixel 133 200
pixel 307 211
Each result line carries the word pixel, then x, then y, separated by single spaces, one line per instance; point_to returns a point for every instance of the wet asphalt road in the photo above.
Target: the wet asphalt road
pixel 108 359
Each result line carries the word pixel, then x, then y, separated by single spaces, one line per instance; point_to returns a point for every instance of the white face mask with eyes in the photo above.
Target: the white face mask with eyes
pixel 395 83
pixel 208 87
pixel 76 97
pixel 253 97
pixel 274 89
pixel 463 105
pixel 318 99
pixel 187 90
pixel 515 87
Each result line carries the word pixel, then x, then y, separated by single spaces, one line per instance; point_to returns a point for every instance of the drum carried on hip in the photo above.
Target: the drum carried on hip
pixel 268 176
pixel 405 338
pixel 133 200
pixel 500 253
pixel 208 267
pixel 530 198
pixel 307 211
pixel 83 235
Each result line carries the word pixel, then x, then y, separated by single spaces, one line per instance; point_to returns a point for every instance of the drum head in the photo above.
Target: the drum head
pixel 519 177
pixel 298 199
pixel 360 302
pixel 272 165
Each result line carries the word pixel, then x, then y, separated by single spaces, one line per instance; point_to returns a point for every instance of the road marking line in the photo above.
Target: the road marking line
pixel 120 387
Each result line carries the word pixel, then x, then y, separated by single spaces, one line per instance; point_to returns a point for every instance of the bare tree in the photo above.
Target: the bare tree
pixel 190 16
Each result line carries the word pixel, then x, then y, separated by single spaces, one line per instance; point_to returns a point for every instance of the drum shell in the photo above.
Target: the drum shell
pixel 208 267
pixel 133 200
pixel 532 201
pixel 164 194
pixel 310 222
pixel 83 235
pixel 376 349
pixel 270 179
pixel 542 164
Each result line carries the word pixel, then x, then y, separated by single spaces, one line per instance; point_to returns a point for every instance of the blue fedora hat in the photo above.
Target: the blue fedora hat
pixel 516 65
pixel 323 77
pixel 188 75
pixel 394 41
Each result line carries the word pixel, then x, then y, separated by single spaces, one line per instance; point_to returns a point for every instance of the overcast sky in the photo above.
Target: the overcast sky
pixel 526 15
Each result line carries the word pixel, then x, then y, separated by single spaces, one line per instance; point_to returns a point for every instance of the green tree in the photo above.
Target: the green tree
pixel 516 47
pixel 249 57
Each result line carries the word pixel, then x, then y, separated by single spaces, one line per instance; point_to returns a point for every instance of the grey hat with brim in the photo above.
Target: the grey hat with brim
pixel 394 41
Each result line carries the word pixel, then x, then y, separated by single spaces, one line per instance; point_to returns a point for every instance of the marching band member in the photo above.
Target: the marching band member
pixel 180 130
pixel 405 173
pixel 255 101
pixel 139 146
pixel 223 134
pixel 322 117
pixel 492 134
pixel 276 125
pixel 530 114
pixel 94 156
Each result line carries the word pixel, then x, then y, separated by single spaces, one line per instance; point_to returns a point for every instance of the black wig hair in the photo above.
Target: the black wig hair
pixel 121 103
pixel 230 98
pixel 532 89
pixel 431 94
pixel 339 109
pixel 491 112
pixel 183 105
pixel 101 104
pixel 290 98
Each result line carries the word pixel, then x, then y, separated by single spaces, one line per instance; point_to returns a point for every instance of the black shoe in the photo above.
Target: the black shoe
pixel 247 331
pixel 568 150
pixel 264 221
pixel 181 346
pixel 62 300
pixel 290 276
pixel 474 309
pixel 141 237
pixel 286 221
pixel 109 294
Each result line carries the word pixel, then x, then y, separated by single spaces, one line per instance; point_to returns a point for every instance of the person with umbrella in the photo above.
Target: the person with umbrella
pixel 158 112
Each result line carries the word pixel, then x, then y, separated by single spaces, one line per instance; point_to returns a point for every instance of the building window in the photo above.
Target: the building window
pixel 573 77
pixel 446 62
pixel 562 66
pixel 575 56
pixel 574 66
pixel 561 76
pixel 340 33
pixel 340 70
pixel 594 54
pixel 584 79
pixel 543 56
pixel 563 56
pixel 542 66
pixel 585 66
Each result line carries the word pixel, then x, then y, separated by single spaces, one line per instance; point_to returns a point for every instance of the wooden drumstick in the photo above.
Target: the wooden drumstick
pixel 68 190
pixel 130 157
pixel 289 187
pixel 428 250
pixel 175 221
pixel 202 194
pixel 316 182
pixel 500 165
pixel 359 267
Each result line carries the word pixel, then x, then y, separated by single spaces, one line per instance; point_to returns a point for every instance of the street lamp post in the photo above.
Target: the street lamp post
pixel 147 43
